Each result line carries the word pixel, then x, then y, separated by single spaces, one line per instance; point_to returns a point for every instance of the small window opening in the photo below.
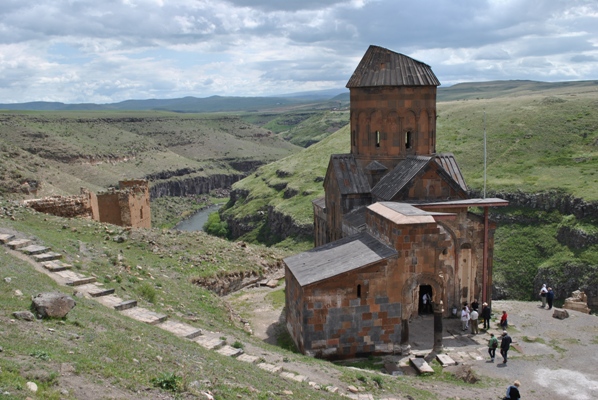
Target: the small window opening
pixel 408 139
pixel 377 138
pixel 359 291
pixel 141 213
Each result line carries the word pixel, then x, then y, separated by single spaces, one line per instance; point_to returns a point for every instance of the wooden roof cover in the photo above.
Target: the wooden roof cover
pixel 349 175
pixel 338 257
pixel 383 67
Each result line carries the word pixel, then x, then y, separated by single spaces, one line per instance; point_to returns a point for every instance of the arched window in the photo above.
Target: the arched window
pixel 377 138
pixel 408 140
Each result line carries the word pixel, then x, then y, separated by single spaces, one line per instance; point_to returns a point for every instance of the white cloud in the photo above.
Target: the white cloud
pixel 113 50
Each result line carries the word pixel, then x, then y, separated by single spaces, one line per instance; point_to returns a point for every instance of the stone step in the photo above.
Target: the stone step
pixel 18 243
pixel 294 377
pixel 55 265
pixel 445 360
pixel 229 351
pixel 275 369
pixel 181 329
pixel 81 281
pixel 248 358
pixel 6 237
pixel 125 305
pixel 144 315
pixel 421 365
pixel 100 292
pixel 34 249
pixel 47 256
pixel 209 343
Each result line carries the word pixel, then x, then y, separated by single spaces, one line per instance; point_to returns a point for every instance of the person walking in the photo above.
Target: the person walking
pixel 549 297
pixel 464 318
pixel 513 391
pixel 492 346
pixel 543 293
pixel 505 345
pixel 426 301
pixel 504 323
pixel 486 314
pixel 474 322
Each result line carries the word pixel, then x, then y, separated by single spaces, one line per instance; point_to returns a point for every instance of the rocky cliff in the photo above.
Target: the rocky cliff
pixel 192 185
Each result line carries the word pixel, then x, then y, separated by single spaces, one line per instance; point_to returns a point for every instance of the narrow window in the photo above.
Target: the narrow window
pixel 353 138
pixel 408 139
pixel 141 213
pixel 377 138
pixel 359 291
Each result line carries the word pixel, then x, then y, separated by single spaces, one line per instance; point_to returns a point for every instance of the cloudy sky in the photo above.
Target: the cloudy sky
pixel 104 51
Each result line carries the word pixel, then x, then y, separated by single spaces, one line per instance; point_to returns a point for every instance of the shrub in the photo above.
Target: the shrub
pixel 167 381
pixel 215 226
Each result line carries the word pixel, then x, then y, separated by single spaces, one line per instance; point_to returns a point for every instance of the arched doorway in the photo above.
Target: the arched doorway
pixel 425 300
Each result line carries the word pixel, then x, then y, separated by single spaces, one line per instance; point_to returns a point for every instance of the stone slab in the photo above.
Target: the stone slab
pixel 421 365
pixel 125 305
pixel 144 315
pixel 47 256
pixel 275 369
pixel 445 360
pixel 476 356
pixel 110 300
pixel 229 351
pixel 34 249
pixel 18 243
pixel 294 377
pixel 209 343
pixel 100 292
pixel 181 329
pixel 56 265
pixel 5 238
pixel 248 358
pixel 81 281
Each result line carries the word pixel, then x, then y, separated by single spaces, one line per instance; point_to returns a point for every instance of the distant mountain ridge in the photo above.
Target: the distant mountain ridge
pixel 190 104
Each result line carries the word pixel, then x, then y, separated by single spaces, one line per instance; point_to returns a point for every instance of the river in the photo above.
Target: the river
pixel 197 220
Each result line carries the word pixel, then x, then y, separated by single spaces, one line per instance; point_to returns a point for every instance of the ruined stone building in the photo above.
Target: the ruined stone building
pixel 395 223
pixel 129 205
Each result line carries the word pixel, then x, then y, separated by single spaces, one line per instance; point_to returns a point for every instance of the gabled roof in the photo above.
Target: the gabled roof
pixel 449 164
pixel 338 257
pixel 383 67
pixel 376 166
pixel 349 175
pixel 400 176
pixel 397 179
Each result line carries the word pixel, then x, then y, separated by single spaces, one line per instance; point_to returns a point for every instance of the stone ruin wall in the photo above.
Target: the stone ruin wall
pixel 64 206
pixel 127 206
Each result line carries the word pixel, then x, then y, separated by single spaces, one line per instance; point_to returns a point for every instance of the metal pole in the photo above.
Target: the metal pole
pixel 485 155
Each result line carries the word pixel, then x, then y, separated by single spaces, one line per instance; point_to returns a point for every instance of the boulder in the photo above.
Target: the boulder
pixel 53 305
pixel 24 315
pixel 560 314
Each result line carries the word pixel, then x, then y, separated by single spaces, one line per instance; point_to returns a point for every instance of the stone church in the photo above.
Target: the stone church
pixel 395 224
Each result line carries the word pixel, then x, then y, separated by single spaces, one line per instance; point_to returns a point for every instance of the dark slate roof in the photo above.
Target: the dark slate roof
pixel 449 164
pixel 376 166
pixel 401 175
pixel 355 218
pixel 320 202
pixel 338 257
pixel 383 67
pixel 349 175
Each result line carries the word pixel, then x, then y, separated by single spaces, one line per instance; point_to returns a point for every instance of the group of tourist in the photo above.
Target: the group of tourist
pixel 547 296
pixel 470 316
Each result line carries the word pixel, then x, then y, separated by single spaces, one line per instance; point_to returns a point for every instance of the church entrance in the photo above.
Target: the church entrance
pixel 425 300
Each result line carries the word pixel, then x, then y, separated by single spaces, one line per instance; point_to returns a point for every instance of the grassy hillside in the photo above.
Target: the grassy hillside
pixel 63 151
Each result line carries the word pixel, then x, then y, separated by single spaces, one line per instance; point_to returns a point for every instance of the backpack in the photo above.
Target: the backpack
pixel 495 344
